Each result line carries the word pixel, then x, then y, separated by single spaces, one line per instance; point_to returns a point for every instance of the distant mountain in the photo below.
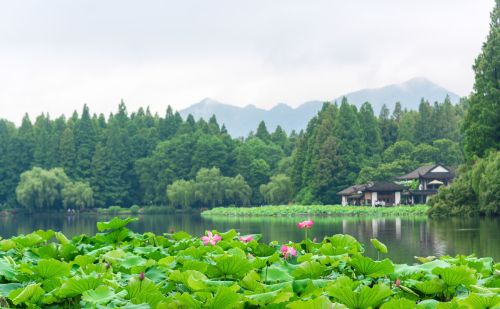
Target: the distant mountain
pixel 240 121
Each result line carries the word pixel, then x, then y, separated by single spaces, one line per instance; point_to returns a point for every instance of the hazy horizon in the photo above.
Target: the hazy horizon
pixel 57 55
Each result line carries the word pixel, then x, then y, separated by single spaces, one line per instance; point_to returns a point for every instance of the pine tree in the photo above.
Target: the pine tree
pixel 67 152
pixel 85 140
pixel 262 132
pixel 482 122
pixel 371 132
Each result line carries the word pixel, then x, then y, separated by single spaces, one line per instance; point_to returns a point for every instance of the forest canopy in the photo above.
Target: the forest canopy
pixel 144 158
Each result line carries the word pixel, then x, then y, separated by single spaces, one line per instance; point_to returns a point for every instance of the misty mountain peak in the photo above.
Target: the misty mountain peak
pixel 241 120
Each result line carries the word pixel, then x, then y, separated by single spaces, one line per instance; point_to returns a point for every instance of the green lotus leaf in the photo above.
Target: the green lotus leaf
pixel 131 260
pixel 29 240
pixel 481 301
pixel 144 291
pixel 84 260
pixel 51 268
pixel 321 302
pixel 76 286
pixel 274 297
pixel 7 244
pixel 180 236
pixel 46 235
pixel 309 269
pixel 456 275
pixel 433 286
pixel 251 282
pixel 186 300
pixel 231 234
pixel 115 223
pixel 195 265
pixel 7 270
pixel 47 252
pixel 341 244
pixel 102 295
pixel 429 266
pixel 263 250
pixel 369 267
pixel 426 259
pixel 379 245
pixel 193 279
pixel 229 265
pixel 428 304
pixel 29 294
pixel 277 273
pixel 68 251
pixel 6 288
pixel 225 298
pixel 61 238
pixel 401 303
pixel 366 297
pixel 114 236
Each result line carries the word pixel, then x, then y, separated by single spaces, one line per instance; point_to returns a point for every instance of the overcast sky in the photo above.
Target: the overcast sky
pixel 57 55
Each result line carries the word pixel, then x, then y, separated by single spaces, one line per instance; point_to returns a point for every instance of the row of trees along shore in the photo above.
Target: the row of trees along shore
pixel 143 158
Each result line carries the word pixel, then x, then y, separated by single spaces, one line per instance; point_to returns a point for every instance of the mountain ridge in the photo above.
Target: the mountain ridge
pixel 241 120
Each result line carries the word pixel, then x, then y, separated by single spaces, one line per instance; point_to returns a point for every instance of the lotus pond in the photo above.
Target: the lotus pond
pixel 407 236
pixel 118 268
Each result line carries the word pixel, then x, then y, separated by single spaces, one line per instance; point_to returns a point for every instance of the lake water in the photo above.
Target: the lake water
pixel 405 237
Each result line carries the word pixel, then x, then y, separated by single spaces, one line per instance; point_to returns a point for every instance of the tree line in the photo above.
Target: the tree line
pixel 143 158
pixel 476 190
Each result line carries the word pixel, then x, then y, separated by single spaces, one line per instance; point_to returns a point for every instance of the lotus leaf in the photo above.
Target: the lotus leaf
pixel 369 267
pixel 433 286
pixel 102 295
pixel 378 245
pixel 115 223
pixel 366 297
pixel 31 293
pixel 321 302
pixel 76 286
pixel 309 269
pixel 400 303
pixel 51 268
pixel 456 275
pixel 224 298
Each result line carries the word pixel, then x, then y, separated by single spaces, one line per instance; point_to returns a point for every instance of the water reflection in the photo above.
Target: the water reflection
pixel 405 237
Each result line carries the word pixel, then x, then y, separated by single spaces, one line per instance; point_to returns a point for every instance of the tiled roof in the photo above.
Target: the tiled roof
pixel 377 186
pixel 425 172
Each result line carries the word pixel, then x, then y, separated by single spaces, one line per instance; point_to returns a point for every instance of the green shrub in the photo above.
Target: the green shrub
pixel 113 210
pixel 135 209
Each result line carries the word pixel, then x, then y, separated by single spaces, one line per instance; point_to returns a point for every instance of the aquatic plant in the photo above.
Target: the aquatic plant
pixel 316 210
pixel 117 268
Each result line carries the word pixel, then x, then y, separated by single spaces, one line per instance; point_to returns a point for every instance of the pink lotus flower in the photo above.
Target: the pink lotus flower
pixel 211 239
pixel 246 239
pixel 305 224
pixel 287 251
pixel 397 282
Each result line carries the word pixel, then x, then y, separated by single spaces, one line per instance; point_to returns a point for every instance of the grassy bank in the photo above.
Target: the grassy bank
pixel 316 210
pixel 118 268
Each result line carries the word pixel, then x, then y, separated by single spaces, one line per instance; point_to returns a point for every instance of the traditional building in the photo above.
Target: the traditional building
pixel 429 178
pixel 372 193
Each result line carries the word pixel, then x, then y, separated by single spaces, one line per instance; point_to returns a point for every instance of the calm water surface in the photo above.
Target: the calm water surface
pixel 405 237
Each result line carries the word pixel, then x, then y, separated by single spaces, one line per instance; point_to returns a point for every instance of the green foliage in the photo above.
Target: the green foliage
pixel 177 270
pixel 209 188
pixel 288 210
pixel 278 191
pixel 474 191
pixel 482 121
